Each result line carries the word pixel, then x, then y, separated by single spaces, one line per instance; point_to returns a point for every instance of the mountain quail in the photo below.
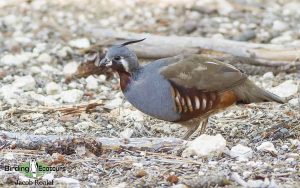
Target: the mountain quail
pixel 186 88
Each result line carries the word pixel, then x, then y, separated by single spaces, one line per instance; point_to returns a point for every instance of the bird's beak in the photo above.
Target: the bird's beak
pixel 105 62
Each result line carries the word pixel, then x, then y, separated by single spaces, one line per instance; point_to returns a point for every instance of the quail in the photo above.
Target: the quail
pixel 186 89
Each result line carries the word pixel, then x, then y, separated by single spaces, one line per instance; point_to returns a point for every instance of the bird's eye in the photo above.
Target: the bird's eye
pixel 117 58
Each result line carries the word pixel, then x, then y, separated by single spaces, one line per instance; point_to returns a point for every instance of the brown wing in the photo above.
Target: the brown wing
pixel 202 73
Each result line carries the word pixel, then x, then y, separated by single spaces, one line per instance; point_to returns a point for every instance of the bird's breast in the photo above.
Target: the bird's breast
pixel 152 97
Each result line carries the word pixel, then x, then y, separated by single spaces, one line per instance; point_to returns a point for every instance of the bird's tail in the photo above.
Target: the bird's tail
pixel 248 92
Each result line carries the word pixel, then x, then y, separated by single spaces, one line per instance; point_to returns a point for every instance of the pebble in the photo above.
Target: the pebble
pixel 9 156
pixel 71 182
pixel 41 130
pixel 115 103
pixel 64 52
pixel 135 115
pixel 241 152
pixel 282 39
pixel 39 48
pixel 295 102
pixel 267 147
pixel 47 101
pixel 285 89
pixel 279 25
pixel 246 35
pixel 44 58
pixel 102 78
pixel 120 185
pixel 205 145
pixel 53 88
pixel 91 82
pixel 291 8
pixel 190 26
pixel 224 7
pixel 80 43
pixel 126 133
pixel 268 76
pixel 83 126
pixel 16 60
pixel 70 68
pixel 25 83
pixel 59 129
pixel 48 177
pixel 71 96
pixel 80 150
pixel 10 94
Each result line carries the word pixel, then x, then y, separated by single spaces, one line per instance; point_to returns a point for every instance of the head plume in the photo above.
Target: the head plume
pixel 132 41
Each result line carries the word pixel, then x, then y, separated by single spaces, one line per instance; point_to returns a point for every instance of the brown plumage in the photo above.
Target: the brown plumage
pixel 203 86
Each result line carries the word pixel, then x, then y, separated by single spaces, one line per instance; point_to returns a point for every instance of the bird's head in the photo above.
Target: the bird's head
pixel 120 58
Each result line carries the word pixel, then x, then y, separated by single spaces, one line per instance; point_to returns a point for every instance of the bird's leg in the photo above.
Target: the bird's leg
pixel 193 126
pixel 190 131
pixel 203 124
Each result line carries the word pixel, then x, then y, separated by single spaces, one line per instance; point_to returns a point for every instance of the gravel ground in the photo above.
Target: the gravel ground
pixel 40 43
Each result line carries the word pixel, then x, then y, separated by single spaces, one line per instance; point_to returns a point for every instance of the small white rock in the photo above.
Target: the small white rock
pixel 91 82
pixel 268 147
pixel 127 133
pixel 80 43
pixel 10 94
pixel 268 75
pixel 80 150
pixel 15 60
pixel 115 103
pixel 83 126
pixel 295 142
pixel 242 153
pixel 285 89
pixel 135 115
pixel 9 156
pixel 179 186
pixel 205 145
pixel 71 96
pixel 102 78
pixel 64 52
pixel 47 101
pixel 70 68
pixel 279 25
pixel 48 177
pixel 25 82
pixel 139 165
pixel 44 58
pixel 255 183
pixel 295 102
pixel 59 129
pixel 69 181
pixel 120 185
pixel 41 130
pixel 53 88
pixel 282 39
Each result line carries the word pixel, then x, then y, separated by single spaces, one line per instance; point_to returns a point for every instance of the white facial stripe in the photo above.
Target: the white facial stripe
pixel 125 64
pixel 109 63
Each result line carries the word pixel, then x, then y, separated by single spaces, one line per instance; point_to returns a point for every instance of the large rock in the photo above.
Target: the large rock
pixel 205 145
pixel 285 89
